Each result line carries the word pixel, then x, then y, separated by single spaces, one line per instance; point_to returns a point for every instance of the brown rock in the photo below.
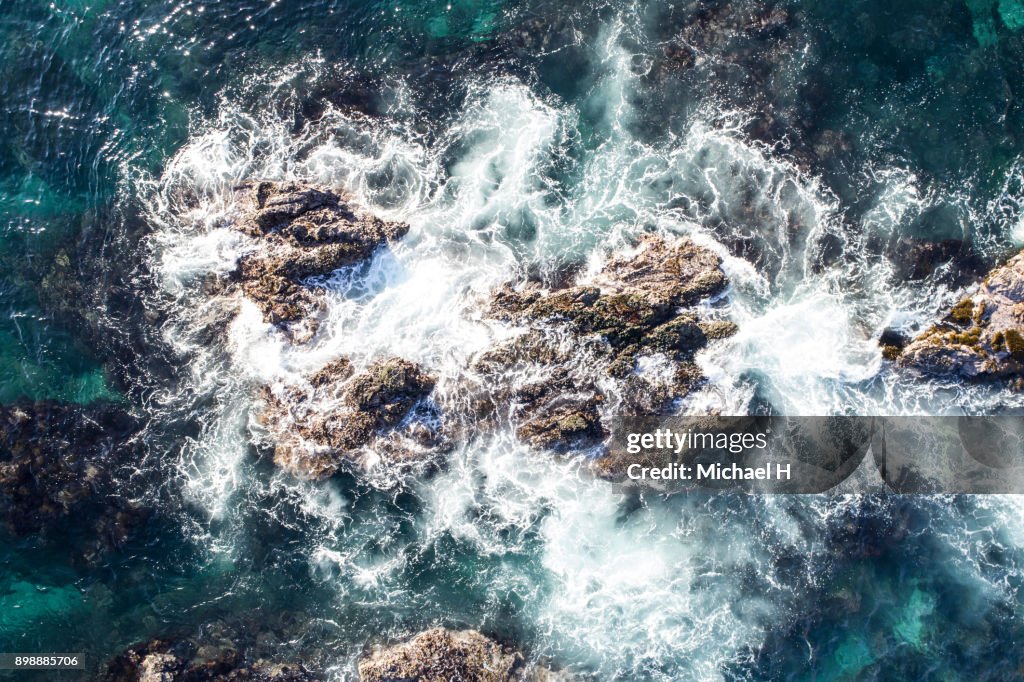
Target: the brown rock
pixel 635 306
pixel 982 336
pixel 319 425
pixel 159 667
pixel 666 273
pixel 170 660
pixel 442 655
pixel 304 231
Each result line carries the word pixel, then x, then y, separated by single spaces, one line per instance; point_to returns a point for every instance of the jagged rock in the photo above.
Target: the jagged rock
pixel 59 467
pixel 635 307
pixel 982 336
pixel 633 302
pixel 170 660
pixel 388 389
pixel 304 231
pixel 557 413
pixel 665 273
pixel 442 655
pixel 319 425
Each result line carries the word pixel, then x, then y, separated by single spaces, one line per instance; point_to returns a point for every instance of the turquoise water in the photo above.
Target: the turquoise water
pixel 513 135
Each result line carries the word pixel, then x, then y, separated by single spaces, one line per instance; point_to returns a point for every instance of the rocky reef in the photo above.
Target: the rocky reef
pixel 184 660
pixel 303 231
pixel 60 471
pixel 981 338
pixel 441 655
pixel 324 421
pixel 639 308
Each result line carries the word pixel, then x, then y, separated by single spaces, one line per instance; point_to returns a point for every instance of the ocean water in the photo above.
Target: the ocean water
pixel 811 144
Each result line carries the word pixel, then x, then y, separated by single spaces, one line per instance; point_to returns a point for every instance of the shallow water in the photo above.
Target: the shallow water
pixel 517 137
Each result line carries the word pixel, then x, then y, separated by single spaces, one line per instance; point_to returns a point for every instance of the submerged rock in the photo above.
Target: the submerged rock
pixel 319 425
pixel 60 471
pixel 586 335
pixel 170 660
pixel 917 259
pixel 982 336
pixel 441 655
pixel 304 231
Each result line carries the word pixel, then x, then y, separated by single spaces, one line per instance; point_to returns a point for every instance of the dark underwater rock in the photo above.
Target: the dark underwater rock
pixel 62 468
pixel 982 336
pixel 98 286
pixel 304 231
pixel 441 654
pixel 319 425
pixel 918 259
pixel 174 660
pixel 639 306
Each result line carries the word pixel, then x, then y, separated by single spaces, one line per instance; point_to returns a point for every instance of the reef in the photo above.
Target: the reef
pixel 322 422
pixel 303 231
pixel 63 473
pixel 981 338
pixel 639 307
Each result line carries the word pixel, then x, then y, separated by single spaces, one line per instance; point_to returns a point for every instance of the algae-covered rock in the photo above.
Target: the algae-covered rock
pixel 320 424
pixel 443 655
pixel 981 337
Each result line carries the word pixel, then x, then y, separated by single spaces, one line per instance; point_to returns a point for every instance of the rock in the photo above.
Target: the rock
pixel 982 336
pixel 665 273
pixel 558 414
pixel 303 231
pixel 319 425
pixel 388 389
pixel 916 260
pixel 159 668
pixel 892 342
pixel 173 660
pixel 99 287
pixel 633 301
pixel 60 469
pixel 636 307
pixel 441 655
